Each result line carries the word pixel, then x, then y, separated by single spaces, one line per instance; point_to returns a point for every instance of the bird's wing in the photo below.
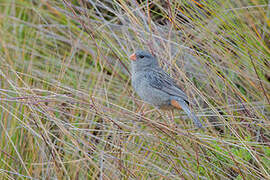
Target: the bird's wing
pixel 161 80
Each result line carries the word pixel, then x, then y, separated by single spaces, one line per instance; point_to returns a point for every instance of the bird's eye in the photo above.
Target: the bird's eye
pixel 141 56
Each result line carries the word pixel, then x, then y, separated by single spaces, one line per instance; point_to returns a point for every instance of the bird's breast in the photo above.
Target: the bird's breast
pixel 148 93
pixel 136 81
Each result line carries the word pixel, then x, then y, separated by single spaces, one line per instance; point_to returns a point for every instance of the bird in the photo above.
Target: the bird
pixel 154 86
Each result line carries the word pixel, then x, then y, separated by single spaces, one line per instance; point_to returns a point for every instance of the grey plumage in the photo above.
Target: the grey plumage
pixel 190 114
pixel 155 86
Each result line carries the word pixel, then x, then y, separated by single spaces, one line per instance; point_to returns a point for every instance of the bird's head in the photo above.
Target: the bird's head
pixel 142 59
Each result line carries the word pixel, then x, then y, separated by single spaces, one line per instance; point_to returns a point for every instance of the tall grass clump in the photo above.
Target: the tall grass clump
pixel 67 109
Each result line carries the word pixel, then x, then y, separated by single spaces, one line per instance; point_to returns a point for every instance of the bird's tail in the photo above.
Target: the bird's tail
pixel 190 114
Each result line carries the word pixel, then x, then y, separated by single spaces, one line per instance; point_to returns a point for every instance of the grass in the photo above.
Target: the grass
pixel 68 110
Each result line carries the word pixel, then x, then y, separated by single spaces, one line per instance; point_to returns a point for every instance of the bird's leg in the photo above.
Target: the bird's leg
pixel 141 111
pixel 159 115
pixel 171 119
pixel 146 112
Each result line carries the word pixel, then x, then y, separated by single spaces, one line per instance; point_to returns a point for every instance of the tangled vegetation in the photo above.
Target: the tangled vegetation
pixel 68 110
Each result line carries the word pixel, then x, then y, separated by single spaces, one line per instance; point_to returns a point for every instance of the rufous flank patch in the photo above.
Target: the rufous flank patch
pixel 174 103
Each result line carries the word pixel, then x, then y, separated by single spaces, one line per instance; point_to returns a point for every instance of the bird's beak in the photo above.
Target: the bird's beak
pixel 133 57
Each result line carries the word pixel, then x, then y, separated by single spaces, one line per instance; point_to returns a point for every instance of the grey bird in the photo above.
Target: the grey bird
pixel 156 87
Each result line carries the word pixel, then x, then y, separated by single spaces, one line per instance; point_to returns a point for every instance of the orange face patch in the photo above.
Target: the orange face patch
pixel 133 57
pixel 175 104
